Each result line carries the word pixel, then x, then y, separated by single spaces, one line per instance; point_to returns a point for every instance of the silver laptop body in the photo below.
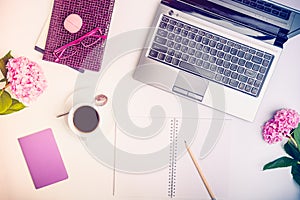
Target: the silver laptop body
pixel 220 53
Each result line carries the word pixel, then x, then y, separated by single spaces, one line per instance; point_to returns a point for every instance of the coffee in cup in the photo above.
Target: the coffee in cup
pixel 84 119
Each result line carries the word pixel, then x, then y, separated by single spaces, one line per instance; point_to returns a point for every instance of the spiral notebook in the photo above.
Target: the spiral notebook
pixel 176 177
pixel 94 14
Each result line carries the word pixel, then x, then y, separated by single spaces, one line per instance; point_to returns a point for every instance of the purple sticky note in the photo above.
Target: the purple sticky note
pixel 43 158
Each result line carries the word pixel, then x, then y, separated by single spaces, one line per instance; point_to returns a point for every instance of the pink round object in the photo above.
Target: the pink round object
pixel 73 23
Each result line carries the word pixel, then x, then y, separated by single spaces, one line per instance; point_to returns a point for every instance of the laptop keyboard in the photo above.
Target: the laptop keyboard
pixel 211 56
pixel 266 7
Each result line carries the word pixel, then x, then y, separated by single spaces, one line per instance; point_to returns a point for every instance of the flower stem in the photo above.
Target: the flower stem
pixel 293 141
pixel 6 86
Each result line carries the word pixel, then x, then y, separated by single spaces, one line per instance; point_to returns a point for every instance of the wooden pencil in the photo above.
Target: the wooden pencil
pixel 211 194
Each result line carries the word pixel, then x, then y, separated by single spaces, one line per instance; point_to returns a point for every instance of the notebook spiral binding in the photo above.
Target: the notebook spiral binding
pixel 173 157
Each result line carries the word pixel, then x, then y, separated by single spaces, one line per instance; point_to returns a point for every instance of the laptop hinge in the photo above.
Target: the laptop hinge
pixel 281 38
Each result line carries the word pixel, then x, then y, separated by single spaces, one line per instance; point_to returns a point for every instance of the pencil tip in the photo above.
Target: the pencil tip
pixel 185 144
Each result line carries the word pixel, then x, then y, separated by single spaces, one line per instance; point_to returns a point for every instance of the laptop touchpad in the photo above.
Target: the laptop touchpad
pixel 190 85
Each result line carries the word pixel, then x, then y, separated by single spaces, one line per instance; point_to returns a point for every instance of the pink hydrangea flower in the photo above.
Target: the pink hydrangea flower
pixel 288 118
pixel 26 79
pixel 280 126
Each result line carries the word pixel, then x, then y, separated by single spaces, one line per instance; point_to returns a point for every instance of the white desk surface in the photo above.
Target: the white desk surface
pixel 21 23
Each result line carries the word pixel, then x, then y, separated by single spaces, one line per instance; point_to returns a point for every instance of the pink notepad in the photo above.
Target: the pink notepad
pixel 43 158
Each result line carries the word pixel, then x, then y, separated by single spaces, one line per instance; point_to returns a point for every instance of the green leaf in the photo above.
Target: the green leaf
pixel 280 162
pixel 292 150
pixel 296 134
pixel 14 107
pixel 3 62
pixel 296 173
pixel 7 57
pixel 3 80
pixel 5 101
pixel 3 68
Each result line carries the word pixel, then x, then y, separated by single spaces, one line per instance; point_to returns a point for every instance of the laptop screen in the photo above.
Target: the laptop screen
pixel 242 17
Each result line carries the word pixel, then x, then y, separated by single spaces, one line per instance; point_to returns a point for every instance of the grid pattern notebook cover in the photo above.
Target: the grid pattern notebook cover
pixel 94 13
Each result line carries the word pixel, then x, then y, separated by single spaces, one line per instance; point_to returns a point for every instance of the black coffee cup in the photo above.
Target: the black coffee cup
pixel 84 119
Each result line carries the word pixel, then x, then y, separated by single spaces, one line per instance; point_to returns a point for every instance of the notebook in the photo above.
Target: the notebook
pixel 161 168
pixel 86 53
pixel 220 53
pixel 43 158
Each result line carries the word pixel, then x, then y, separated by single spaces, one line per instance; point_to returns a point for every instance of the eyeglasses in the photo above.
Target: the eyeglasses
pixel 89 39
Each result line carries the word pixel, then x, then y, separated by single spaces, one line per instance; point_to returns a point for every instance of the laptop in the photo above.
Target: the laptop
pixel 219 53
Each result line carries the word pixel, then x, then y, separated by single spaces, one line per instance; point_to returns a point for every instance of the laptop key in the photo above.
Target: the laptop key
pixel 234 75
pixel 163 25
pixel 178 38
pixel 199 62
pixel 220 46
pixel 260 77
pixel 159 48
pixel 218 77
pixel 161 56
pixel 165 19
pixel 248 88
pixel 177 30
pixel 265 63
pixel 225 80
pixel 227 73
pixel 257 60
pixel 177 46
pixel 267 56
pixel 241 86
pixel 226 64
pixel 248 56
pixel 192 60
pixel 160 40
pixel 249 65
pixel 153 53
pixel 185 41
pixel 240 69
pixel 226 48
pixel 185 57
pixel 198 38
pixel 175 61
pixel 205 41
pixel 262 70
pixel 255 67
pixel 178 54
pixel 254 91
pixel 171 36
pixel 250 73
pixel 259 54
pixel 168 59
pixel 233 83
pixel 171 52
pixel 213 68
pixel 170 44
pixel 162 33
pixel 233 51
pixel 199 46
pixel 213 52
pixel 243 78
pixel 206 65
